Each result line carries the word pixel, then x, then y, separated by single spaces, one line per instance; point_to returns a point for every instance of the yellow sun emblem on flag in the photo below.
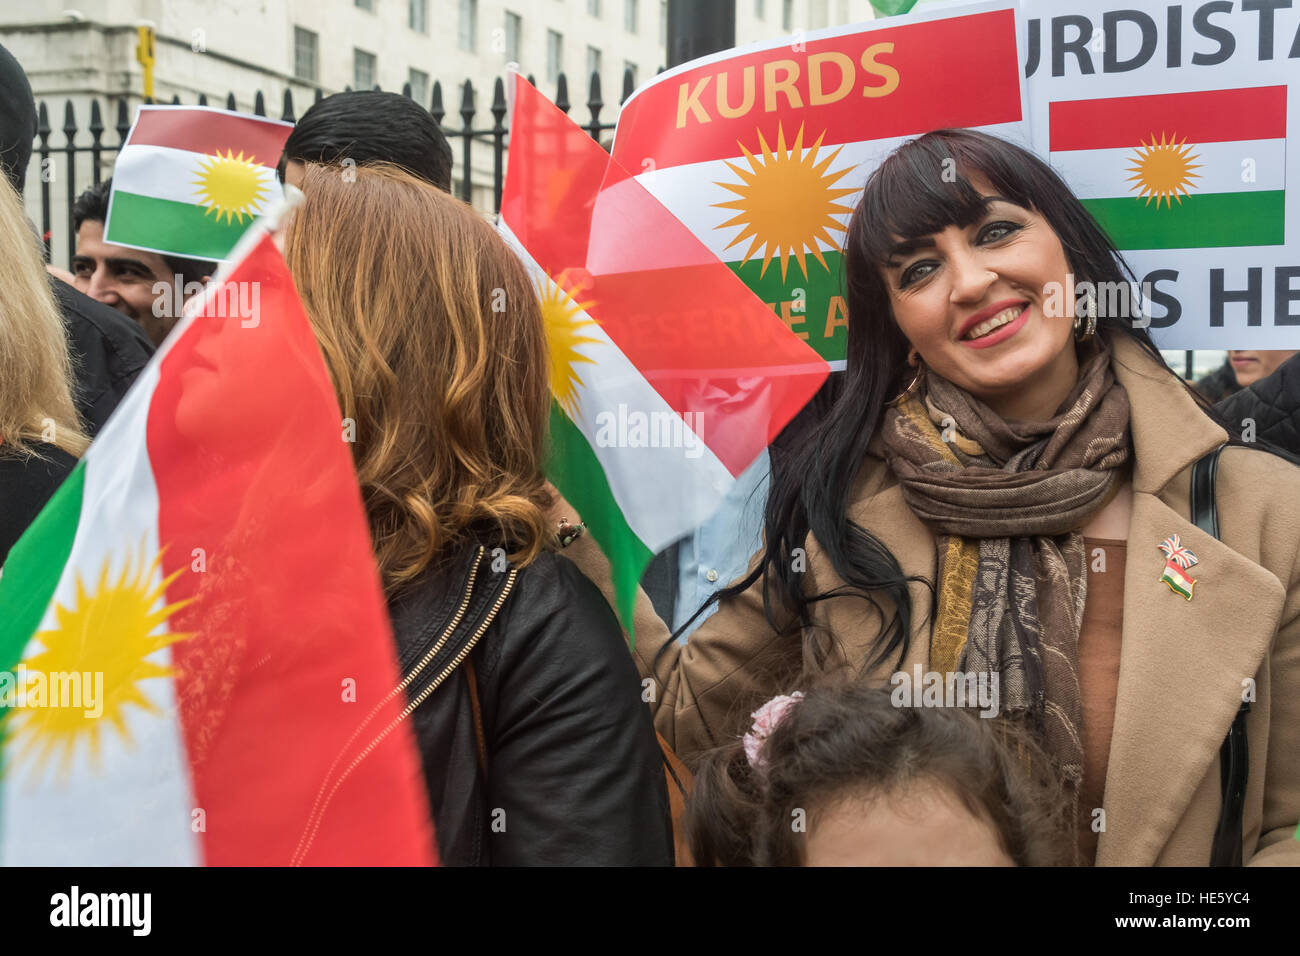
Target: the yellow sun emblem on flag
pixel 230 186
pixel 565 320
pixel 107 638
pixel 1163 170
pixel 787 201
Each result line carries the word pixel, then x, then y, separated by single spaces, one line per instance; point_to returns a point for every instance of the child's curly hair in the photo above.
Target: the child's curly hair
pixel 850 739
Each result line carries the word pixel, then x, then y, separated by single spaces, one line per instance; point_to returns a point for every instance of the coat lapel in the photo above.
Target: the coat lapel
pixel 1182 662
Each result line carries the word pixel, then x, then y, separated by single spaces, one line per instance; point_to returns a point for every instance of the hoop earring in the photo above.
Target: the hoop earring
pixel 903 395
pixel 1085 321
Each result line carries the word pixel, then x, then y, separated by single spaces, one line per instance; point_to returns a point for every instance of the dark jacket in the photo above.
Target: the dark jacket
pixel 1273 404
pixel 26 484
pixel 108 351
pixel 1219 384
pixel 574 774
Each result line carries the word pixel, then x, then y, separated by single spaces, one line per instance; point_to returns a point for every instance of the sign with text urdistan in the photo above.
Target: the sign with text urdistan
pixel 1170 122
pixel 762 151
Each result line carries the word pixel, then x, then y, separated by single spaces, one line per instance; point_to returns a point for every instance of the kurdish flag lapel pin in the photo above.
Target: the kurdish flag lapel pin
pixel 1177 560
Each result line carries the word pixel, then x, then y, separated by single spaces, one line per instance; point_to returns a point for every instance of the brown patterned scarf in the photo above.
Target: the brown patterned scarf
pixel 1007 500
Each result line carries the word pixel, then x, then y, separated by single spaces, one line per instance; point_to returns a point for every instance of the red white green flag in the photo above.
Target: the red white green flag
pixel 892 8
pixel 1179 581
pixel 1178 170
pixel 196 663
pixel 668 376
pixel 762 151
pixel 190 179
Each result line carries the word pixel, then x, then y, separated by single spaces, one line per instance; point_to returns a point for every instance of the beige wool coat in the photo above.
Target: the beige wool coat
pixel 1183 664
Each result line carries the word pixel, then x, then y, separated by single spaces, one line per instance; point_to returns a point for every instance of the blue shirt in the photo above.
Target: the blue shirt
pixel 718 552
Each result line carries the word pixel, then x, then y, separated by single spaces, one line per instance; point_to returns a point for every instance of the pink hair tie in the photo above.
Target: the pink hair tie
pixel 766 719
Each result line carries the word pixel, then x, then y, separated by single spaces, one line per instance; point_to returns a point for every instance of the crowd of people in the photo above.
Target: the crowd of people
pixel 977 506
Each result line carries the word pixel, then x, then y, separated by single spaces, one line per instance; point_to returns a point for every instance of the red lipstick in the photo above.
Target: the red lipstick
pixel 988 313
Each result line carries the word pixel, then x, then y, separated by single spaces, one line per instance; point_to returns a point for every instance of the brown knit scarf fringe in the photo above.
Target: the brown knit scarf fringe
pixel 1006 500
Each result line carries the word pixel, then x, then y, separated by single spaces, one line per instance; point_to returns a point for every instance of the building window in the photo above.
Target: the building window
pixel 554 55
pixel 758 9
pixel 468 24
pixel 363 69
pixel 593 62
pixel 787 14
pixel 630 67
pixel 304 55
pixel 419 81
pixel 593 7
pixel 417 15
pixel 629 16
pixel 365 5
pixel 514 27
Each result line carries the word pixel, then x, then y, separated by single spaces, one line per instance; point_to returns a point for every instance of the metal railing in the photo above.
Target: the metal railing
pixel 496 136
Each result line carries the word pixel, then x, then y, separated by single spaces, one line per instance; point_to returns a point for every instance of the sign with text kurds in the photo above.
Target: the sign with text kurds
pixel 190 179
pixel 1170 122
pixel 762 151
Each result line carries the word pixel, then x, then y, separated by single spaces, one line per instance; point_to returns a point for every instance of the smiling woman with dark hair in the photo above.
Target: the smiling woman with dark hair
pixel 1002 487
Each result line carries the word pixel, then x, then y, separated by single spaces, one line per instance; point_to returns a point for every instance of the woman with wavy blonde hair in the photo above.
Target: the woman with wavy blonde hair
pixel 40 437
pixel 526 705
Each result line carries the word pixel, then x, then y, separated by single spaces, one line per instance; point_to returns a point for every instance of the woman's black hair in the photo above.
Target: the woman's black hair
pixel 922 188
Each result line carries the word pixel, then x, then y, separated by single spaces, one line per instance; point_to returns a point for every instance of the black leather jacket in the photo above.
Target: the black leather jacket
pixel 574 774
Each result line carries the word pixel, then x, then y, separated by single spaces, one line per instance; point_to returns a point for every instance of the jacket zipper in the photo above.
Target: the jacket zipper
pixel 446 634
pixel 423 662
pixel 315 818
pixel 464 652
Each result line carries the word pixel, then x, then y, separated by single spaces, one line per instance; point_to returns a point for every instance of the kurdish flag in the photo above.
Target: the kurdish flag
pixel 194 647
pixel 1178 170
pixel 668 376
pixel 892 8
pixel 762 152
pixel 1179 581
pixel 190 179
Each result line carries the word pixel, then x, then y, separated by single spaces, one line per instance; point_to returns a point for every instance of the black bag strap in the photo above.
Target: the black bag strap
pixel 1234 759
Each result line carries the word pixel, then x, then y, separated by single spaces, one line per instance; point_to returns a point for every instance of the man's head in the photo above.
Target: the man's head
pixel 17 120
pixel 122 277
pixel 368 126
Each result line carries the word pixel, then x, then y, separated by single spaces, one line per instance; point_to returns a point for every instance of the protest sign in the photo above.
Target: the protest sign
pixel 762 151
pixel 1170 122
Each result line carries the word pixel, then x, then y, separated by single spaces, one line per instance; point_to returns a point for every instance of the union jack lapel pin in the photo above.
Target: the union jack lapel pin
pixel 1177 560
